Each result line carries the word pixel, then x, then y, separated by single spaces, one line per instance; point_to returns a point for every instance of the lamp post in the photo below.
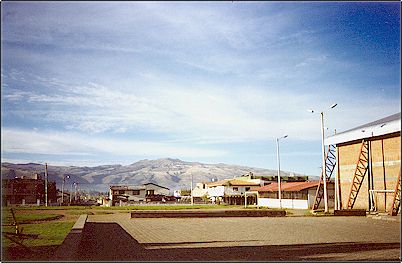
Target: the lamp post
pixel 75 193
pixel 323 157
pixel 279 169
pixel 192 198
pixel 62 188
pixel 46 198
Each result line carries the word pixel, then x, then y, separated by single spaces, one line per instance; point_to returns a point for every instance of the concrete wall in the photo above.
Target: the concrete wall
pixel 199 192
pixel 216 191
pixel 286 203
pixel 385 167
pixel 299 203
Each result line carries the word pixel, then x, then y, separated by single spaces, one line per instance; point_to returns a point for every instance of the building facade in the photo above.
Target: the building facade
pixel 369 161
pixel 230 191
pixel 27 191
pixel 124 194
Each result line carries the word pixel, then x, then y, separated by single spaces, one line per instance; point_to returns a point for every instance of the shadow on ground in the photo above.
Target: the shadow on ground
pixel 108 241
pixel 19 253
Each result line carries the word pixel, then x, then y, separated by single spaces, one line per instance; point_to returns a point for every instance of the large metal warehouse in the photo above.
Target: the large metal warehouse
pixel 368 165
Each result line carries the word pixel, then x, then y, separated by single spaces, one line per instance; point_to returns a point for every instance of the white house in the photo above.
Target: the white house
pixel 230 191
pixel 296 195
pixel 200 190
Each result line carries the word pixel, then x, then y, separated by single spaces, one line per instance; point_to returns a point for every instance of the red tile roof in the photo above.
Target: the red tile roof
pixel 288 186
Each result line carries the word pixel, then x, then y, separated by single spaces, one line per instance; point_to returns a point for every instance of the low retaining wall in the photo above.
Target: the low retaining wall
pixel 350 212
pixel 204 213
pixel 68 250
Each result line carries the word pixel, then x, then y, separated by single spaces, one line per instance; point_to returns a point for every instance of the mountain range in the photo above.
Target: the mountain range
pixel 171 173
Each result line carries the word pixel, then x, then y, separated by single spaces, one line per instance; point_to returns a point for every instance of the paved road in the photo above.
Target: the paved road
pixel 118 237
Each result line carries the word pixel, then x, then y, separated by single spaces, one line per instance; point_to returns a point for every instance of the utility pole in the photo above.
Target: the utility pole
pixel 45 184
pixel 279 170
pixel 192 199
pixel 75 192
pixel 324 173
pixel 279 173
pixel 62 188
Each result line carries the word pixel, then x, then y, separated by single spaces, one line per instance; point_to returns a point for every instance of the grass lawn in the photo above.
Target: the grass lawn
pixel 7 217
pixel 50 233
pixel 51 228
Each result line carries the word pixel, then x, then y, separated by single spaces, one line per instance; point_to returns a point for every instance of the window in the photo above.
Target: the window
pixel 236 189
pixel 121 192
pixel 136 192
pixel 247 188
pixel 150 192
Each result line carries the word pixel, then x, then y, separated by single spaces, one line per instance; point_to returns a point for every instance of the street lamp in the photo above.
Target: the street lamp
pixel 191 191
pixel 62 188
pixel 323 157
pixel 75 193
pixel 279 169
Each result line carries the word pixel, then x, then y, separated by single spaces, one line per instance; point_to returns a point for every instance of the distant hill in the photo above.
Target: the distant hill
pixel 171 173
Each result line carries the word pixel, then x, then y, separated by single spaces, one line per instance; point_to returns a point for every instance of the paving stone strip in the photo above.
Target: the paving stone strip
pixel 70 247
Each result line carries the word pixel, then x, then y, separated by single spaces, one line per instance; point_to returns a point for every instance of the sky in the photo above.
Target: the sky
pixel 91 83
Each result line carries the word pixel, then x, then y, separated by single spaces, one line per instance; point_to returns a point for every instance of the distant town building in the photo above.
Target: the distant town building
pixel 230 191
pixel 200 192
pixel 23 191
pixel 125 194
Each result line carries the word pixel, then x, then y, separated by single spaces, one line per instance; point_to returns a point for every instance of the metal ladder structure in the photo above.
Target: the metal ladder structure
pixel 397 196
pixel 330 161
pixel 360 172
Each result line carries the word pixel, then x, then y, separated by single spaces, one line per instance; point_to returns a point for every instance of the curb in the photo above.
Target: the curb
pixel 68 250
pixel 198 213
pixel 386 218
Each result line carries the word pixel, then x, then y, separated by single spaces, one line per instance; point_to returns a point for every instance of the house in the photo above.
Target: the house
pixel 129 194
pixel 295 195
pixel 23 191
pixel 200 192
pixel 368 161
pixel 230 191
pixel 250 177
pixel 65 197
pixel 103 201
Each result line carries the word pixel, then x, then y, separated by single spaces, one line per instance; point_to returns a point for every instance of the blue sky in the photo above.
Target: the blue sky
pixel 89 83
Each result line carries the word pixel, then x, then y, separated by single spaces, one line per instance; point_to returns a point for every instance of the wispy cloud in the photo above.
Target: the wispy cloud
pixel 190 78
pixel 69 143
pixel 206 114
